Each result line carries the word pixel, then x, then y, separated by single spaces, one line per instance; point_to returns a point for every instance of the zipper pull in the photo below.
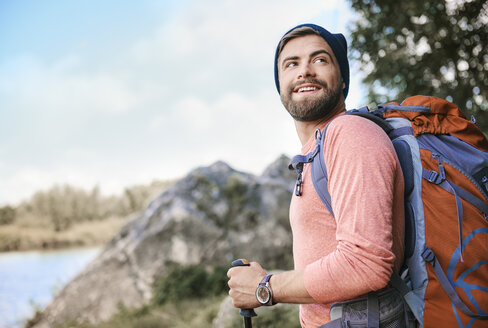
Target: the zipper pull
pixel 442 172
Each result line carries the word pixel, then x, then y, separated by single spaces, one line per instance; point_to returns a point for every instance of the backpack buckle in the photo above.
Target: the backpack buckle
pixel 433 176
pixel 437 177
pixel 428 255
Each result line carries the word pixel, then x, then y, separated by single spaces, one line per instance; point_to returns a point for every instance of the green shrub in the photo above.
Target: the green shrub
pixel 217 281
pixel 189 282
pixel 235 190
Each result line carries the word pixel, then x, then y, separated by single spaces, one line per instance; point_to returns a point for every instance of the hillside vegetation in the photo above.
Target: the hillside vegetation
pixel 67 216
pixel 190 296
pixel 167 266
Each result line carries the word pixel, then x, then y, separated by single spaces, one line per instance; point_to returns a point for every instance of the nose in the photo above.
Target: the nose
pixel 306 70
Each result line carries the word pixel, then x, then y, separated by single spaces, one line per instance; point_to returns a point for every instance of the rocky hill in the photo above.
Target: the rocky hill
pixel 212 216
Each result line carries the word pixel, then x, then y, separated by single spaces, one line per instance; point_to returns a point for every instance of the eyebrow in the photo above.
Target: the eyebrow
pixel 322 51
pixel 289 58
pixel 313 54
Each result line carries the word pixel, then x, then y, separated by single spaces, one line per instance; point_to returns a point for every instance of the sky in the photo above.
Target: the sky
pixel 116 93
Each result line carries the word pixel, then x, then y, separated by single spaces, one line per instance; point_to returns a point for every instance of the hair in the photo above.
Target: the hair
pixel 298 32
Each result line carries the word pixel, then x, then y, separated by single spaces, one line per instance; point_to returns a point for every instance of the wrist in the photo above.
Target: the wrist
pixel 289 287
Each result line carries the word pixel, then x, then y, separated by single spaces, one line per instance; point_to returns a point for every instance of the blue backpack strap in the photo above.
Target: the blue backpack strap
pixel 296 164
pixel 375 116
pixel 318 171
pixel 320 178
pixel 319 174
pixel 418 109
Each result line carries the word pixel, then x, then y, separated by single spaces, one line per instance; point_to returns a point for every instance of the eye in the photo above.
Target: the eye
pixel 291 64
pixel 320 60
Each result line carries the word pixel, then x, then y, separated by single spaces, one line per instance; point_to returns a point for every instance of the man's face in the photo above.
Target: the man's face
pixel 310 79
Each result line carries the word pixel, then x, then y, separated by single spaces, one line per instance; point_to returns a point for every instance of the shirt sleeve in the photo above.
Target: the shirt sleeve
pixel 363 173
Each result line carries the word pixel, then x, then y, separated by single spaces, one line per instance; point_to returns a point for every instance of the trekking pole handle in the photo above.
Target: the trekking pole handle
pixel 246 313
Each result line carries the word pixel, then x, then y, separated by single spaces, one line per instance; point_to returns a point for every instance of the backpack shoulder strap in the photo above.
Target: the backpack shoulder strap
pixel 319 171
pixel 320 177
pixel 319 174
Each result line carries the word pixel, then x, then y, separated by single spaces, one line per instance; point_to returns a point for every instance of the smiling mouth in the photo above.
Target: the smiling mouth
pixel 307 89
pixel 304 89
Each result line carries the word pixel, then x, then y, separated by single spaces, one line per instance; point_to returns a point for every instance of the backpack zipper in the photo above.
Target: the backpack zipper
pixel 468 176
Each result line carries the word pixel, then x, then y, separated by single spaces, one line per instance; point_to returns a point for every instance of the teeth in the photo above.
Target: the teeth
pixel 307 89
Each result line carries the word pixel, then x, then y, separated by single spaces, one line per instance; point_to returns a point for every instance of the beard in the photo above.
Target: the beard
pixel 316 108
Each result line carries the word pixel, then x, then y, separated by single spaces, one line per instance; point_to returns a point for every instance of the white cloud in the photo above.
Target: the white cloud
pixel 218 27
pixel 34 85
pixel 26 180
pixel 198 88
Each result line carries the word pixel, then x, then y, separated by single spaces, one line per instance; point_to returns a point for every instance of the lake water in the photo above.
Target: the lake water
pixel 29 280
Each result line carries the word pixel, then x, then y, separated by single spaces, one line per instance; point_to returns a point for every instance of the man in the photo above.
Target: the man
pixel 345 256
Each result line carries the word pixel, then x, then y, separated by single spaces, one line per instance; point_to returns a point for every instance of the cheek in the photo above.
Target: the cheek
pixel 283 87
pixel 285 79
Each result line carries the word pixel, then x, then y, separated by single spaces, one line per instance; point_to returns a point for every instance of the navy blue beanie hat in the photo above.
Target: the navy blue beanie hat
pixel 338 44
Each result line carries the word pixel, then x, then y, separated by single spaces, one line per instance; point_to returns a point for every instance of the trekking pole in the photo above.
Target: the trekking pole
pixel 247 314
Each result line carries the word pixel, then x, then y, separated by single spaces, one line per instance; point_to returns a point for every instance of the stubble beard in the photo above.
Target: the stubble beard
pixel 315 108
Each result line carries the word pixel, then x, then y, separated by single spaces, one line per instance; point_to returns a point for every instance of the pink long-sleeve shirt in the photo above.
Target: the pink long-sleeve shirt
pixel 347 256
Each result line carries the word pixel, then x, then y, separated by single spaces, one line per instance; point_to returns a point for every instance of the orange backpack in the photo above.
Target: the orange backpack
pixel 451 273
pixel 444 159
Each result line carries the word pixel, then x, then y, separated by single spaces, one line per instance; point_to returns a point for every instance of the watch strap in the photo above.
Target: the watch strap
pixel 265 279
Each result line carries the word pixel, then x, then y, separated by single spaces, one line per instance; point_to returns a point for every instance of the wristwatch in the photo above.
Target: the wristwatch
pixel 264 294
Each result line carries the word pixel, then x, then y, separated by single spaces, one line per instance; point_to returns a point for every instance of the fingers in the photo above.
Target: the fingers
pixel 243 300
pixel 237 263
pixel 243 281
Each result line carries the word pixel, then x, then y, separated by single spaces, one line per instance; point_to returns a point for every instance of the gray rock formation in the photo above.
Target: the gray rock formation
pixel 210 217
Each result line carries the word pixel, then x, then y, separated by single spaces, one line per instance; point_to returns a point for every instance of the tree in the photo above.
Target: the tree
pixel 429 47
pixel 7 215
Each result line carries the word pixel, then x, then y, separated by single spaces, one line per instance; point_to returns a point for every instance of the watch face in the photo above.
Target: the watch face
pixel 262 294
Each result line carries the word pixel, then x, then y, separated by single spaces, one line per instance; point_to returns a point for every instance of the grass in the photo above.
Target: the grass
pixel 67 216
pixel 14 237
pixel 187 313
pixel 192 296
